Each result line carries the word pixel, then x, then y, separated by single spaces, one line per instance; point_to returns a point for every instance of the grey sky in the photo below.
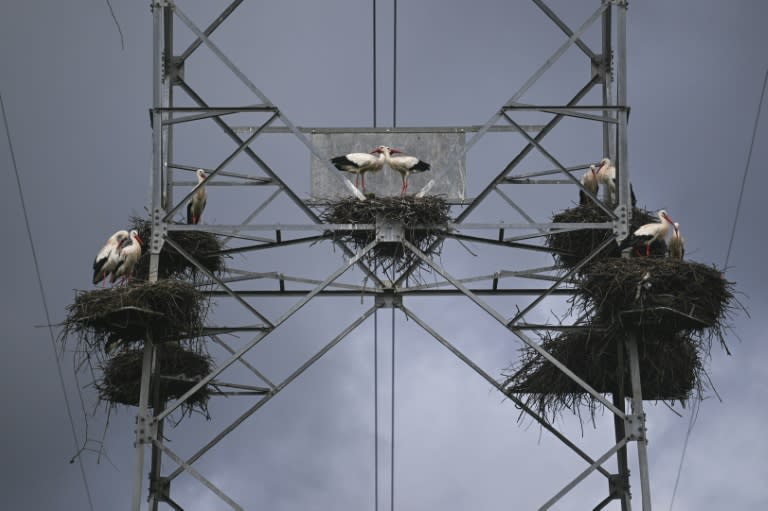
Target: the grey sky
pixel 77 106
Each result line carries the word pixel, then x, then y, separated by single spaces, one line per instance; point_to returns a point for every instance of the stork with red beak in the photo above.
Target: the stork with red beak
pixel 590 184
pixel 606 175
pixel 360 163
pixel 129 254
pixel 196 204
pixel 404 165
pixel 676 244
pixel 648 233
pixel 108 257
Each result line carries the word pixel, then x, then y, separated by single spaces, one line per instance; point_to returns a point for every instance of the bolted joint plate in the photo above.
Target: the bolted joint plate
pixel 388 231
pixel 143 431
pixel 635 427
pixel 389 299
pixel 618 486
pixel 621 225
pixel 159 232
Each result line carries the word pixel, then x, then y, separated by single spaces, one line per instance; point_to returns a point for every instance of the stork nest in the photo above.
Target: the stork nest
pixel 571 247
pixel 204 247
pixel 670 369
pixel 424 222
pixel 180 369
pixel 166 310
pixel 667 293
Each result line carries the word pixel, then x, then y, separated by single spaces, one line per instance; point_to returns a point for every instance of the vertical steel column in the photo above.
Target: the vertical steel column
pixel 145 429
pixel 606 70
pixel 639 415
pixel 622 164
pixel 622 485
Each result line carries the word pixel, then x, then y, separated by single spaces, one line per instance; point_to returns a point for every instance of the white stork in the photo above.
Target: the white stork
pixel 129 254
pixel 648 233
pixel 108 257
pixel 404 165
pixel 360 163
pixel 606 175
pixel 196 204
pixel 590 183
pixel 676 243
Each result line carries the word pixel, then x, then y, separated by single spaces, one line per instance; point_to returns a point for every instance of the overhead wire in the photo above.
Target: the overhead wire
pixel 696 405
pixel 746 171
pixel 45 301
pixel 117 24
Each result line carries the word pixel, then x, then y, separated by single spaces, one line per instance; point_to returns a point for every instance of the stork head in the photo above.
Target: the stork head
pixel 664 216
pixel 381 149
pixel 392 150
pixel 593 170
pixel 677 228
pixel 605 162
pixel 135 235
pixel 201 175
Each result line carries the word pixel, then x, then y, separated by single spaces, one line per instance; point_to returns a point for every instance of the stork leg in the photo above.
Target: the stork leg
pixel 363 183
pixel 357 180
pixel 647 249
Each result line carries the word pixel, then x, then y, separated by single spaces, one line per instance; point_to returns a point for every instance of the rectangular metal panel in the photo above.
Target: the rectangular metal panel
pixel 443 151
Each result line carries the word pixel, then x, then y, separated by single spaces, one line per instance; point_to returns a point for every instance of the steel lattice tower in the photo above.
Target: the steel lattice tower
pixel 608 74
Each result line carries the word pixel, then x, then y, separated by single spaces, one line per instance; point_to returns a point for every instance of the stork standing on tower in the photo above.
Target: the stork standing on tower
pixel 646 234
pixel 360 163
pixel 676 244
pixel 130 251
pixel 590 184
pixel 197 203
pixel 606 175
pixel 404 165
pixel 108 257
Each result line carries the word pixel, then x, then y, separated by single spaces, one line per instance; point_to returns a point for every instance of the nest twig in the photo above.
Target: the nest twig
pixel 180 369
pixel 573 246
pixel 167 310
pixel 423 219
pixel 203 246
pixel 670 369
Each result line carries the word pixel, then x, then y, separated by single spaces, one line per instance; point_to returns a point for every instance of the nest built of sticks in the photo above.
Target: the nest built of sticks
pixel 673 308
pixel 166 310
pixel 203 246
pixel 423 219
pixel 668 293
pixel 670 369
pixel 180 369
pixel 573 246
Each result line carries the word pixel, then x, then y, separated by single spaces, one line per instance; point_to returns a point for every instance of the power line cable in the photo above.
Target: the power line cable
pixel 117 24
pixel 45 301
pixel 691 422
pixel 746 171
pixel 696 406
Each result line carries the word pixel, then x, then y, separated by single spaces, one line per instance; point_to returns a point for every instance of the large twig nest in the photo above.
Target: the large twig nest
pixel 424 222
pixel 179 369
pixel 574 246
pixel 667 293
pixel 670 369
pixel 203 246
pixel 167 310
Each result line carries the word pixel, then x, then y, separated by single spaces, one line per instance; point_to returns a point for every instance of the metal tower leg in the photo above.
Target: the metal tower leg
pixel 637 420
